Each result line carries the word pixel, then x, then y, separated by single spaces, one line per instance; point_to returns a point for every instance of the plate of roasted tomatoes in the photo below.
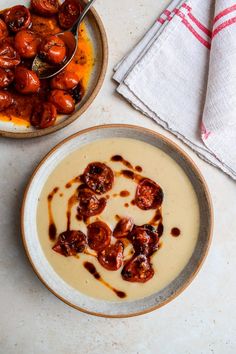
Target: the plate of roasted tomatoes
pixel 30 106
pixel 116 220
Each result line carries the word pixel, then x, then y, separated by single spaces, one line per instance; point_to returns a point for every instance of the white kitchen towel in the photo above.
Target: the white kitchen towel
pixel 183 75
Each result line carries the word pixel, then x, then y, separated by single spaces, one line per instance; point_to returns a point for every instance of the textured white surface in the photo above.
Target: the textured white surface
pixel 33 321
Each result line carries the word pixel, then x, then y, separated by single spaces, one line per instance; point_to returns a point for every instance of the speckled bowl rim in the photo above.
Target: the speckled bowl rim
pixel 87 103
pixel 196 172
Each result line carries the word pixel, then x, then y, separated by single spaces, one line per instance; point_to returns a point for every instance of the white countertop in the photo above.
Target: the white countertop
pixel 33 321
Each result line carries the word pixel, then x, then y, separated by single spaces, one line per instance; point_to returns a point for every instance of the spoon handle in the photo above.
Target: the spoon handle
pixel 86 9
pixel 82 16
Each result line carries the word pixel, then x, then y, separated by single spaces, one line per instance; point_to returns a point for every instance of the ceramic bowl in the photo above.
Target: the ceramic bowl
pixel 41 265
pixel 98 38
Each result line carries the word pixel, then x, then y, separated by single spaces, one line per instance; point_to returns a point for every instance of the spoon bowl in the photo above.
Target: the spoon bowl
pixel 70 37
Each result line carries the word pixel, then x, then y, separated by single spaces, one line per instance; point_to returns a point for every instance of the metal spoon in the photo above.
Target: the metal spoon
pixel 70 37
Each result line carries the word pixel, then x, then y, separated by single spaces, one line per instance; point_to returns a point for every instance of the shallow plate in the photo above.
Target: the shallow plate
pixel 41 265
pixel 98 38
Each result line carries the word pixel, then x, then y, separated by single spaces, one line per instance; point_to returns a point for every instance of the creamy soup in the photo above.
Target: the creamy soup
pixel 180 214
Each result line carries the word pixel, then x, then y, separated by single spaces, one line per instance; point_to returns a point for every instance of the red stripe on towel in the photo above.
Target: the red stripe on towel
pixel 187 7
pixel 224 13
pixel 161 20
pixel 192 30
pixel 200 25
pixel 223 26
pixel 168 15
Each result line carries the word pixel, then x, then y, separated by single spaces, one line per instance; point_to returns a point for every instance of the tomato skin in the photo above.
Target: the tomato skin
pixel 99 235
pixel 66 80
pixel 9 58
pixel 17 18
pixel 69 12
pixel 63 101
pixel 138 269
pixel 123 228
pixel 111 257
pixel 149 195
pixel 70 243
pixel 44 116
pixel 26 81
pixel 6 77
pixel 144 240
pixel 53 50
pixel 6 100
pixel 3 30
pixel 27 44
pixel 88 203
pixel 98 177
pixel 45 7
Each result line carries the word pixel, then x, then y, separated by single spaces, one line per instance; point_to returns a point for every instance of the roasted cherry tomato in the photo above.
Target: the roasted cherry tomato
pixel 123 228
pixel 63 101
pixel 98 177
pixel 26 81
pixel 3 30
pixel 9 58
pixel 66 80
pixel 144 240
pixel 70 243
pixel 111 257
pixel 89 204
pixel 44 115
pixel 77 93
pixel 27 43
pixel 6 100
pixel 6 77
pixel 138 269
pixel 17 18
pixel 53 50
pixel 99 235
pixel 69 12
pixel 45 7
pixel 149 195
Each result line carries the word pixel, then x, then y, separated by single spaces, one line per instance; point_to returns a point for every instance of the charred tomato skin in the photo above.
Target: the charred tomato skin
pixel 99 236
pixel 123 227
pixel 3 30
pixel 17 18
pixel 6 100
pixel 6 77
pixel 69 12
pixel 9 58
pixel 53 50
pixel 138 269
pixel 66 80
pixel 26 43
pixel 98 177
pixel 149 195
pixel 144 241
pixel 63 101
pixel 111 257
pixel 45 8
pixel 70 243
pixel 26 81
pixel 88 203
pixel 44 116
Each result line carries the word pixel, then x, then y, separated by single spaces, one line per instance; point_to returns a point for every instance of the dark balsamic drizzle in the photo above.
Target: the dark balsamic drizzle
pixel 118 158
pixel 175 232
pixel 73 181
pixel 124 194
pixel 71 202
pixel 93 271
pixel 52 230
pixel 139 169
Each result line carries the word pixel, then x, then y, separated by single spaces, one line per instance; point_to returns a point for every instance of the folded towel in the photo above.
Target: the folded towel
pixel 182 74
